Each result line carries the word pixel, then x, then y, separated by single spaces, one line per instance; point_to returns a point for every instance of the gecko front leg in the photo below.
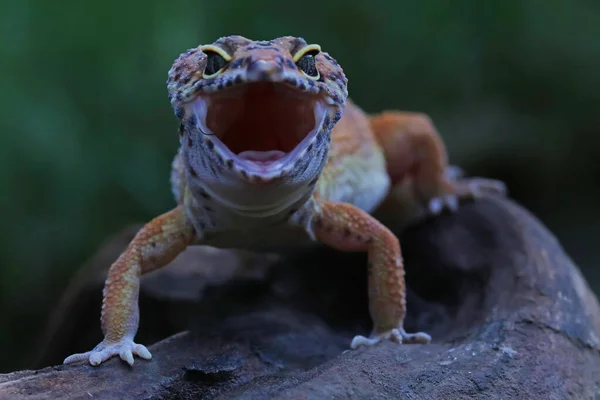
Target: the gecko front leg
pixel 347 228
pixel 154 246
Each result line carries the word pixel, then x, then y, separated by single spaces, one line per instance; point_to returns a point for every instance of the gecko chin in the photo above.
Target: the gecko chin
pixel 263 126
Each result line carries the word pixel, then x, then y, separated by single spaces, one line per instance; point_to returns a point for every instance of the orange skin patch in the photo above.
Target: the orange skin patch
pixel 154 246
pixel 344 227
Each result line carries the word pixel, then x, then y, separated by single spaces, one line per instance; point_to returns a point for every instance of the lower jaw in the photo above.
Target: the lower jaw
pixel 261 157
pixel 265 164
pixel 267 167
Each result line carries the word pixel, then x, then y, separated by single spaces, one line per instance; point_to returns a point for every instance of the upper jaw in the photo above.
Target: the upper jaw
pixel 234 79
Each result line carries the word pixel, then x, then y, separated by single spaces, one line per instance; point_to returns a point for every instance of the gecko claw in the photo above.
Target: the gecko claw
pixel 395 335
pixel 125 349
pixel 465 189
pixel 438 204
pixel 454 172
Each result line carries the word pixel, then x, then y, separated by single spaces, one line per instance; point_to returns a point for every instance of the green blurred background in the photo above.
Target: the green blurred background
pixel 87 133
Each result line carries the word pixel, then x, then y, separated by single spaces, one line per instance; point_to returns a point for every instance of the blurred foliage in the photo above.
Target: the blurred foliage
pixel 87 133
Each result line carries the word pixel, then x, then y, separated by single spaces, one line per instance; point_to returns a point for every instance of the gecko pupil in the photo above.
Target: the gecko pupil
pixel 214 62
pixel 307 64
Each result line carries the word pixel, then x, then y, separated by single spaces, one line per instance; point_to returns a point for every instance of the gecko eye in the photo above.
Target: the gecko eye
pixel 214 63
pixel 308 66
pixel 216 60
pixel 305 60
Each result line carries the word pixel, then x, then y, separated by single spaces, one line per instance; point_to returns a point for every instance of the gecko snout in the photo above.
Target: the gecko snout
pixel 264 69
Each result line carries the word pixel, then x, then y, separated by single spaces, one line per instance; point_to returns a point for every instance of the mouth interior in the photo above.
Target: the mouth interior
pixel 260 122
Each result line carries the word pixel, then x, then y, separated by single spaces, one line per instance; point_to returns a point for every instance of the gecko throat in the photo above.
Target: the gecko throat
pixel 260 124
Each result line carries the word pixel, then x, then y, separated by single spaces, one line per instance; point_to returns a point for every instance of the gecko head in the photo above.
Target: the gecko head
pixel 261 109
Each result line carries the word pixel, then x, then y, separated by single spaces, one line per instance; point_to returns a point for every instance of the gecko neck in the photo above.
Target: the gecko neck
pixel 242 205
pixel 255 202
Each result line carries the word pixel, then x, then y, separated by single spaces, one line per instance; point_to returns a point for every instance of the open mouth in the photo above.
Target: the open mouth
pixel 260 125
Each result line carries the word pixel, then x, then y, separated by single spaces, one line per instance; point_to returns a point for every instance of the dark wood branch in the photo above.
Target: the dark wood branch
pixel 510 314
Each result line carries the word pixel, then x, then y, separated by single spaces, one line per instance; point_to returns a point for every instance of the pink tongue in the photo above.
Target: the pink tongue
pixel 262 156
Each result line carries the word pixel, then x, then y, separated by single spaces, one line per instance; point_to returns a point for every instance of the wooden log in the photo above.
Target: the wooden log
pixel 509 312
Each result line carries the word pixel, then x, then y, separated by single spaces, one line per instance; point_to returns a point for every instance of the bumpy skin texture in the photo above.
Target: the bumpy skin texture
pixel 334 166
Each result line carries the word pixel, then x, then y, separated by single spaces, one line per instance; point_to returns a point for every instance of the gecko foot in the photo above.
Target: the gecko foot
pixel 125 349
pixel 466 188
pixel 395 335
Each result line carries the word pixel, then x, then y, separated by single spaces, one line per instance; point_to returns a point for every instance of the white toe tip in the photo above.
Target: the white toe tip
pixel 436 205
pixel 144 353
pixel 127 356
pixel 95 359
pixel 452 202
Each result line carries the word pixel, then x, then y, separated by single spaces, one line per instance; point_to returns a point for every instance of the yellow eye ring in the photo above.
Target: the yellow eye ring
pixel 305 60
pixel 311 48
pixel 216 61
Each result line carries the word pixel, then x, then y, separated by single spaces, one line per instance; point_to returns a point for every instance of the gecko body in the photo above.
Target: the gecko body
pixel 272 152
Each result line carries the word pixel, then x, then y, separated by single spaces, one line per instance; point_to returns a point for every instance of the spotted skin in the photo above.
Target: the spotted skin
pixel 353 166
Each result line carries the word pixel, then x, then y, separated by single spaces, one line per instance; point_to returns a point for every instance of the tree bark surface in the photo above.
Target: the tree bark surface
pixel 509 312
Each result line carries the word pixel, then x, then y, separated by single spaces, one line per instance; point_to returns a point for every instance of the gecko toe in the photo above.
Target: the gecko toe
pixel 465 189
pixel 142 351
pixel 451 202
pixel 76 358
pixel 478 187
pixel 415 338
pixel 359 341
pixel 98 357
pixel 399 336
pixel 125 349
pixel 454 172
pixel 438 204
pixel 126 355
pixel 490 186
